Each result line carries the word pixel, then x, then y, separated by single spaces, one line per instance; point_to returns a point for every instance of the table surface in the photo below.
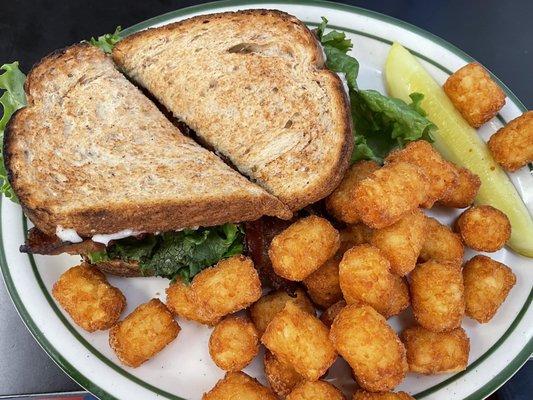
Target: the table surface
pixel 498 34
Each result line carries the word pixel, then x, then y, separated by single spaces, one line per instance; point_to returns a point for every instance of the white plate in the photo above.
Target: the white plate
pixel 184 369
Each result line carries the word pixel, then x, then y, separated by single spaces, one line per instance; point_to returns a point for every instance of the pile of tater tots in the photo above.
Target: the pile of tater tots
pixel 378 255
pixel 371 255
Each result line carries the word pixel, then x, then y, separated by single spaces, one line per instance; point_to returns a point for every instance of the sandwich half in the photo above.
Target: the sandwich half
pixel 252 85
pixel 92 155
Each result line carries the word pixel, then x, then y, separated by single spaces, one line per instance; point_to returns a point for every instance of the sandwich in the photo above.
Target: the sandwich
pixel 252 85
pixel 235 117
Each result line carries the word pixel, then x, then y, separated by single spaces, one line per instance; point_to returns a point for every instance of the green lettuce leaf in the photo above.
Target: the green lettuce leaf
pixel 386 123
pixel 98 256
pixel 132 249
pixel 177 254
pixel 12 99
pixel 338 61
pixel 107 42
pixel 336 45
pixel 381 123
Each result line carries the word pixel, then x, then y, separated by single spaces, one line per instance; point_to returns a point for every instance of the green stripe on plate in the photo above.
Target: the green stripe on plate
pixel 484 391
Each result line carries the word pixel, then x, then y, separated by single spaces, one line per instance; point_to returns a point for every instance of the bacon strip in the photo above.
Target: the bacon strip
pixel 40 243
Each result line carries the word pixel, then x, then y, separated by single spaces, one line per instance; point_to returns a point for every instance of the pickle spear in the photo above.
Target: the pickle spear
pixel 459 142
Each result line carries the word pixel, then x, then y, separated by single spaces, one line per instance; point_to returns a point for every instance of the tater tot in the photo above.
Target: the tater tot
pixel 441 244
pixel 238 385
pixel 483 228
pixel 85 294
pixel 340 203
pixel 314 391
pixel 436 352
pixel 402 241
pixel 441 174
pixel 474 94
pixel 363 395
pixel 352 235
pixel 281 377
pixel 437 295
pixel 389 193
pixel 303 247
pixel 331 312
pixel 487 284
pixel 264 310
pixel 364 276
pixel 181 301
pixel 399 297
pixel 463 193
pixel 323 284
pixel 233 343
pixel 143 333
pixel 231 285
pixel 299 339
pixel 512 145
pixel 375 353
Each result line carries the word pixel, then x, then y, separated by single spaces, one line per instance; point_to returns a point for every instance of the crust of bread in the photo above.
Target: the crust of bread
pixel 239 201
pixel 327 174
pixel 120 268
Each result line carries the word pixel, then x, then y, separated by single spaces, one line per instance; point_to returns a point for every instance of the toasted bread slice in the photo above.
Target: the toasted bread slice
pixel 252 85
pixel 91 153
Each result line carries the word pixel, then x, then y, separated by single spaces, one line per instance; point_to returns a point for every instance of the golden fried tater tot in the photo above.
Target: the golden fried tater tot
pixel 364 339
pixel 323 284
pixel 331 312
pixel 362 395
pixel 264 309
pixel 463 193
pixel 487 284
pixel 474 94
pixel 483 228
pixel 402 241
pixel 364 276
pixel 182 302
pixel 436 352
pixel 512 145
pixel 303 247
pixel 299 339
pixel 231 285
pixel 314 391
pixel 399 297
pixel 85 294
pixel 441 244
pixel 340 203
pixel 143 333
pixel 353 235
pixel 238 385
pixel 389 193
pixel 233 343
pixel 441 174
pixel 281 377
pixel 437 295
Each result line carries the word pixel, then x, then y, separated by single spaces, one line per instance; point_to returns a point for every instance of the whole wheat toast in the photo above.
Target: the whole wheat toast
pixel 252 85
pixel 91 153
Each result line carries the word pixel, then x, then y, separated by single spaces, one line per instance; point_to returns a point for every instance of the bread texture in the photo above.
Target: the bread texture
pixel 91 153
pixel 252 85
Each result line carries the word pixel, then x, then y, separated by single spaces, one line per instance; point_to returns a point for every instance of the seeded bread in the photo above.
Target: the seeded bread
pixel 252 85
pixel 90 152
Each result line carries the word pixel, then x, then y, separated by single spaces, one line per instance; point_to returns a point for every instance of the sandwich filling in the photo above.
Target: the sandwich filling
pixel 170 255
